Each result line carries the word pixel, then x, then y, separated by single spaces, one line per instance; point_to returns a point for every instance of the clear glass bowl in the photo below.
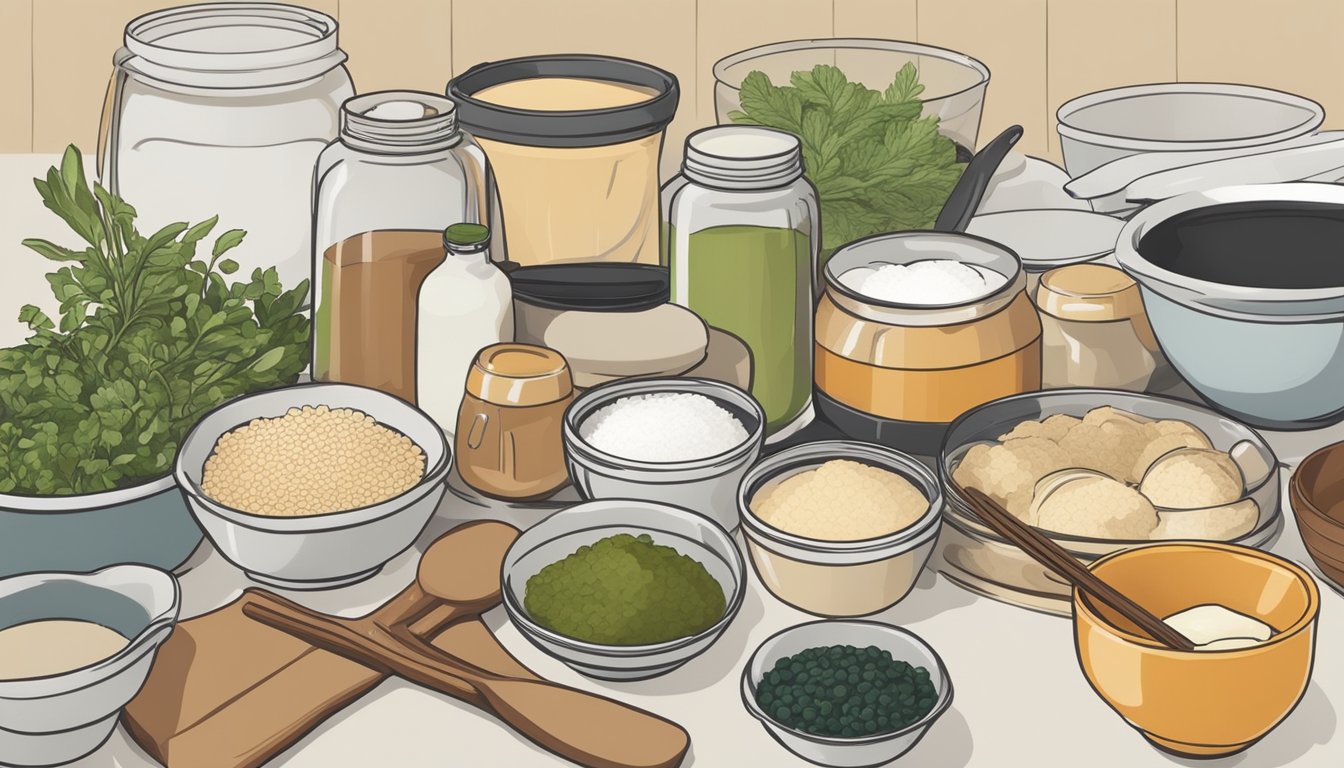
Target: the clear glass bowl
pixel 954 84
pixel 980 560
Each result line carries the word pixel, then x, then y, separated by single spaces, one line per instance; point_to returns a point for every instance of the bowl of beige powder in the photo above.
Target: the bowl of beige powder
pixel 840 528
pixel 314 486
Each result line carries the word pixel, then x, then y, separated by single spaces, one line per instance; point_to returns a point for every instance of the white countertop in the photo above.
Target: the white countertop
pixel 1020 700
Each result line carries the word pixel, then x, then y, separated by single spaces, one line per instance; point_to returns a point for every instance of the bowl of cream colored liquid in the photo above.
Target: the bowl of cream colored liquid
pixel 74 650
pixel 1252 617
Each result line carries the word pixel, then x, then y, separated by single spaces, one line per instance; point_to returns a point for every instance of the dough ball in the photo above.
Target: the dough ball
pixel 1002 470
pixel 1094 507
pixel 1193 478
pixel 1214 524
pixel 1053 428
pixel 1111 447
pixel 1164 444
pixel 1099 416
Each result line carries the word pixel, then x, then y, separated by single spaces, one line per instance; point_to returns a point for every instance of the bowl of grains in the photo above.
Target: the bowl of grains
pixel 1099 471
pixel 840 528
pixel 846 693
pixel 682 441
pixel 621 589
pixel 313 486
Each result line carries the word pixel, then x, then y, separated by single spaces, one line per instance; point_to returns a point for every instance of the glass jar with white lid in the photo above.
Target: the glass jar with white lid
pixel 222 109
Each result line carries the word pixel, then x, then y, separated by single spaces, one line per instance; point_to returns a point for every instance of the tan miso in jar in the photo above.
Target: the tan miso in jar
pixel 548 193
pixel 364 325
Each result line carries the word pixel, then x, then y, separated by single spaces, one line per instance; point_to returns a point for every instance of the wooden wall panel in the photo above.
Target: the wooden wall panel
pixel 398 44
pixel 16 75
pixel 1293 45
pixel 1098 44
pixel 1009 37
pixel 72 60
pixel 890 19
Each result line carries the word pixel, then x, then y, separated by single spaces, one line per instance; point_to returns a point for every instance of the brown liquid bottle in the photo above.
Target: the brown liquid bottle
pixel 508 442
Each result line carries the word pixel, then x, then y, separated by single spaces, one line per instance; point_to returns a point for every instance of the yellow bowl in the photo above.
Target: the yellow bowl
pixel 1200 703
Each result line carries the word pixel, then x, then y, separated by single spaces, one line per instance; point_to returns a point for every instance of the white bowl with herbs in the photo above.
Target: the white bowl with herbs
pixel 94 403
pixel 314 486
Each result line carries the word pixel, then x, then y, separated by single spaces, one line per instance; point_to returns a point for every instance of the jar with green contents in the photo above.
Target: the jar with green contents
pixel 741 243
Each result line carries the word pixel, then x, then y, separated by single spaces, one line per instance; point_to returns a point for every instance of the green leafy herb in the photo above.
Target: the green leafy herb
pixel 877 164
pixel 149 338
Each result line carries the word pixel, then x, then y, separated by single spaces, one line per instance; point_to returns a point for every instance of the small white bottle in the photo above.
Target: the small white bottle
pixel 465 305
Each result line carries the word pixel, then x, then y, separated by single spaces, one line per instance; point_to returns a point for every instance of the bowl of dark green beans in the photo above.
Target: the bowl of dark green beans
pixel 847 694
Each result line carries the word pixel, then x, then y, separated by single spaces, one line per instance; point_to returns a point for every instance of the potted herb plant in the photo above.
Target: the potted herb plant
pixel 93 405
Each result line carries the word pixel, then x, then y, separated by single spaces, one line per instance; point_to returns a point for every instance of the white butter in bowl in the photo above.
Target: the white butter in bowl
pixel 1218 628
pixel 102 631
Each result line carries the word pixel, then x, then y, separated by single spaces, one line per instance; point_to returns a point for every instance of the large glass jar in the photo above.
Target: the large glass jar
pixel 385 191
pixel 742 242
pixel 222 109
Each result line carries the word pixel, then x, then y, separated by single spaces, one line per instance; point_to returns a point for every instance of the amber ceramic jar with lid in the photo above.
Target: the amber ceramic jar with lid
pixel 916 367
pixel 1094 330
pixel 508 439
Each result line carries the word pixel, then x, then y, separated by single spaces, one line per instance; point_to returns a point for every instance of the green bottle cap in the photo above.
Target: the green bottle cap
pixel 466 235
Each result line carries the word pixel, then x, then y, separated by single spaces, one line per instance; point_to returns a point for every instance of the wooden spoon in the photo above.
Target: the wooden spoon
pixel 588 729
pixel 458 576
pixel 1052 556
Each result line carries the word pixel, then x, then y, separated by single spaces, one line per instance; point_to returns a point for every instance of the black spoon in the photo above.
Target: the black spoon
pixel 970 189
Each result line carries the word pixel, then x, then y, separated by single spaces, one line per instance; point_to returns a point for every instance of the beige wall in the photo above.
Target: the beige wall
pixel 55 54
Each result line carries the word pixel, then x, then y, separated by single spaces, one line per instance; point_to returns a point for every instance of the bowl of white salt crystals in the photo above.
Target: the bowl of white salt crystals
pixel 680 441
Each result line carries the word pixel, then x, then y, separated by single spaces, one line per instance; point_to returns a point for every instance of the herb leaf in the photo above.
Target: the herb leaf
pixel 149 338
pixel 878 165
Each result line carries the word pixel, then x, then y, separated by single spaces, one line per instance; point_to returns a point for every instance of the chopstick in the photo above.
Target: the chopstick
pixel 1052 556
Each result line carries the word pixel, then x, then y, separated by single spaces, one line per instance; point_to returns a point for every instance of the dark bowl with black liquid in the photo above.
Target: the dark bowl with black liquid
pixel 1244 288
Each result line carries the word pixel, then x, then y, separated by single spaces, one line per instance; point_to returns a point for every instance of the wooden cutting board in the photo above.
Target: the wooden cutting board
pixel 229 692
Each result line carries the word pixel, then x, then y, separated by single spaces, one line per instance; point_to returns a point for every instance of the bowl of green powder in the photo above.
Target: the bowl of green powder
pixel 846 693
pixel 621 589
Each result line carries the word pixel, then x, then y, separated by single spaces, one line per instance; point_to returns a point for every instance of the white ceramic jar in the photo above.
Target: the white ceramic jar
pixel 222 109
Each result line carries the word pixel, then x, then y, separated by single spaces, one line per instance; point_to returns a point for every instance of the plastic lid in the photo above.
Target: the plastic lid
pixel 592 287
pixel 1047 238
pixel 742 157
pixel 232 45
pixel 396 122
pixel 519 375
pixel 1089 293
pixel 466 237
pixel 576 128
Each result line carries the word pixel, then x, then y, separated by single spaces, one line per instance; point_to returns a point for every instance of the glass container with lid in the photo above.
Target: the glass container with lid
pixel 1094 330
pixel 742 241
pixel 401 172
pixel 222 109
pixel 465 305
pixel 509 443
pixel 575 142
pixel 914 367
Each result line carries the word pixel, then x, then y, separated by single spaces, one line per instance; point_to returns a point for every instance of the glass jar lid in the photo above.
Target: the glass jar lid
pixel 1090 293
pixel 519 375
pixel 742 157
pixel 399 122
pixel 231 45
pixel 466 238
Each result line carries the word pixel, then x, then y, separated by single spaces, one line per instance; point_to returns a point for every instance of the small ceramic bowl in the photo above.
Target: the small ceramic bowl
pixel 842 752
pixel 561 534
pixel 706 486
pixel 1195 703
pixel 60 718
pixel 839 578
pixel 1316 493
pixel 317 551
